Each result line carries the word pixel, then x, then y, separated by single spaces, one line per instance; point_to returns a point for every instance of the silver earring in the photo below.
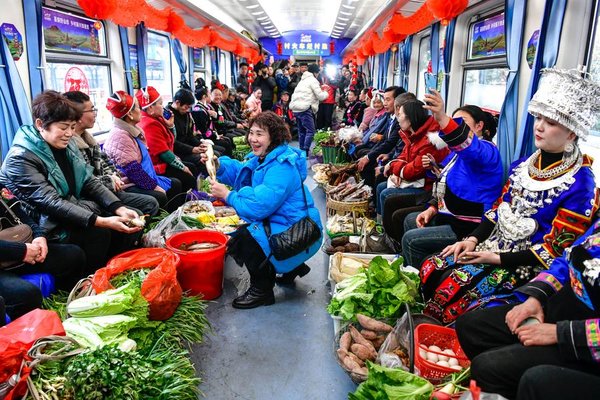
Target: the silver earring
pixel 569 147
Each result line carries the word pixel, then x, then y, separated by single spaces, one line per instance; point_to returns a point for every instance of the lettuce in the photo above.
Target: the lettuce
pixel 378 291
pixel 392 384
pixel 94 332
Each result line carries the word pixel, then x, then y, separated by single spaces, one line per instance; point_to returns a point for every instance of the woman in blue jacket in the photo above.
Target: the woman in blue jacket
pixel 266 186
pixel 467 185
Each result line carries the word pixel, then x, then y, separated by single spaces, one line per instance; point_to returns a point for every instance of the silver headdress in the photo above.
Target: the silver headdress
pixel 567 98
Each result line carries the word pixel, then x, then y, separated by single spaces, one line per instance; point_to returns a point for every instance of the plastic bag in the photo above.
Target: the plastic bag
pixel 45 282
pixel 160 288
pixel 176 222
pixel 350 134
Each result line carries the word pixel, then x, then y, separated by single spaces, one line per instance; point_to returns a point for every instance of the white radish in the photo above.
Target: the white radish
pixel 443 364
pixel 453 362
pixel 445 358
pixel 423 353
pixel 435 348
pixel 432 357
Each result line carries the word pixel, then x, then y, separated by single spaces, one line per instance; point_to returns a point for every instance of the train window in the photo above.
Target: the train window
pixel 76 59
pixel 486 69
pixel 91 79
pixel 158 65
pixel 485 88
pixel 424 65
pixel 222 67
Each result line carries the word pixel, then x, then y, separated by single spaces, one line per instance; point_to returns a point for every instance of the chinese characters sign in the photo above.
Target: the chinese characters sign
pixel 306 44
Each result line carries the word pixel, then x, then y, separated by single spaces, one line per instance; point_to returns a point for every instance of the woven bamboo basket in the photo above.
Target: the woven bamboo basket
pixel 347 207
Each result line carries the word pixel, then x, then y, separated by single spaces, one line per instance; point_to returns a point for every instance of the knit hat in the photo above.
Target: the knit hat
pixel 120 103
pixel 314 68
pixel 567 98
pixel 147 96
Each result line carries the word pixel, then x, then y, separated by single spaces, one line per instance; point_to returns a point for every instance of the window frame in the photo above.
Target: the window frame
pixel 57 57
pixel 170 52
pixel 426 37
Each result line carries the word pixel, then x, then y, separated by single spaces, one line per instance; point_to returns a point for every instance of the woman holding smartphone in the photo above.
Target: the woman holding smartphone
pixel 548 201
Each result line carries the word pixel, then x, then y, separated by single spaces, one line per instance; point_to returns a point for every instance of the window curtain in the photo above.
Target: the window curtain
pixel 32 9
pixel 234 70
pixel 214 58
pixel 14 108
pixel 384 63
pixel 183 65
pixel 405 61
pixel 126 58
pixel 434 48
pixel 191 69
pixel 448 43
pixel 141 34
pixel 545 57
pixel 514 25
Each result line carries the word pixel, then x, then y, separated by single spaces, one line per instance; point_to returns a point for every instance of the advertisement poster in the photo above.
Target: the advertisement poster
pixel 76 80
pixel 487 38
pixel 69 33
pixel 532 47
pixel 133 60
pixel 13 39
pixel 198 59
pixel 306 44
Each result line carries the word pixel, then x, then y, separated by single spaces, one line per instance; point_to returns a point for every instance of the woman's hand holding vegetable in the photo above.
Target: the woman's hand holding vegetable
pixel 531 308
pixel 43 246
pixel 537 335
pixel 426 216
pixel 218 189
pixel 458 249
pixel 116 223
pixel 435 104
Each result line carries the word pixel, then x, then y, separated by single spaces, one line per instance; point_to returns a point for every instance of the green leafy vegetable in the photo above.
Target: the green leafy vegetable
pixel 96 332
pixel 392 384
pixel 378 291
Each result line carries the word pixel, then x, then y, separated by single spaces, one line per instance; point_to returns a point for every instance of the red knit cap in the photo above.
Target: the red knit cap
pixel 119 104
pixel 147 96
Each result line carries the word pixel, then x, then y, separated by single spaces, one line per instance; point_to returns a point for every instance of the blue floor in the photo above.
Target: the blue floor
pixel 280 352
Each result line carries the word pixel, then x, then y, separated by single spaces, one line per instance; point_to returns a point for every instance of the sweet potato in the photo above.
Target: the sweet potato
pixel 378 341
pixel 369 335
pixel 345 341
pixel 342 354
pixel 358 338
pixel 363 352
pixel 356 358
pixel 372 324
pixel 361 371
pixel 350 364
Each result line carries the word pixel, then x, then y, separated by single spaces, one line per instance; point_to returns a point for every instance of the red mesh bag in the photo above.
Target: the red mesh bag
pixel 160 288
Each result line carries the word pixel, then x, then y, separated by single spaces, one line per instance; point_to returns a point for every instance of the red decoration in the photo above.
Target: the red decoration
pixel 379 45
pixel 174 22
pixel 131 13
pixel 421 19
pixel 279 47
pixel 332 47
pixel 98 9
pixel 446 10
pixel 97 25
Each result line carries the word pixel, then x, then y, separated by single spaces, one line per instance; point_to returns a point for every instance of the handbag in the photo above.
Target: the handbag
pixel 296 238
pixel 17 232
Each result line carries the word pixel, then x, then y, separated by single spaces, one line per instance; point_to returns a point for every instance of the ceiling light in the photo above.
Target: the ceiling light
pixel 262 18
pixel 258 12
pixel 348 7
pixel 252 6
pixel 343 19
pixel 345 13
pixel 266 23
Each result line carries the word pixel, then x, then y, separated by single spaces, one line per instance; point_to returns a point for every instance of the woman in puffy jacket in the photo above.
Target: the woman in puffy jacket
pixel 45 170
pixel 267 188
pixel 127 148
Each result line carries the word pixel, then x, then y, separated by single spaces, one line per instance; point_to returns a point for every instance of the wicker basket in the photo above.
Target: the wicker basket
pixel 346 207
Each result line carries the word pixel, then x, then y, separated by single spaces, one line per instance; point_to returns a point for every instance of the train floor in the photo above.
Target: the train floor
pixel 280 352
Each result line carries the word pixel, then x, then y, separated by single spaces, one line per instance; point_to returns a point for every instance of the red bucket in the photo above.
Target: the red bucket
pixel 200 272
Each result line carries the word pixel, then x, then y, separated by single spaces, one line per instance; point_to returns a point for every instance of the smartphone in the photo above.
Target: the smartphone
pixel 167 113
pixel 430 82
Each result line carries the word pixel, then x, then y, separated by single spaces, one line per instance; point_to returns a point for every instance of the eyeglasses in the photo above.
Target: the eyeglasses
pixel 93 110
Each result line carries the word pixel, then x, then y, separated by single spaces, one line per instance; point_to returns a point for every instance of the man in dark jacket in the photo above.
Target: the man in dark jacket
pixel 224 126
pixel 266 83
pixel 242 79
pixel 294 78
pixel 387 140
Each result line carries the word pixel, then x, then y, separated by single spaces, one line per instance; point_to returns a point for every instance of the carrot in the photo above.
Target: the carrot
pixel 372 324
pixel 363 352
pixel 369 335
pixel 345 341
pixel 358 338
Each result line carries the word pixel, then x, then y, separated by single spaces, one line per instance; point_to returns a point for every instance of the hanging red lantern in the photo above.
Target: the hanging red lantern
pixel 420 20
pixel 446 10
pixel 279 47
pixel 98 9
pixel 332 47
pixel 380 45
pixel 174 22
